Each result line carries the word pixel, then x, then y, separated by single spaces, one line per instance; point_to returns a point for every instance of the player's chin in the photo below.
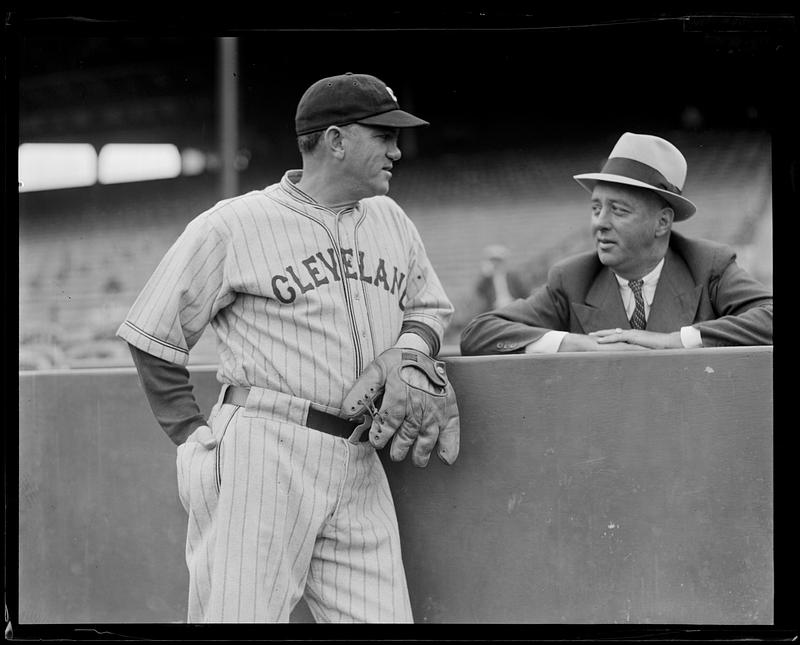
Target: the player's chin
pixel 381 187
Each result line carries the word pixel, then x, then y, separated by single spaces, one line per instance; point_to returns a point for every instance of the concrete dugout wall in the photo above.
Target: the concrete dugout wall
pixel 591 488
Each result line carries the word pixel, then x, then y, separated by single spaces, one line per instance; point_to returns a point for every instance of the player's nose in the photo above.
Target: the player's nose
pixel 394 153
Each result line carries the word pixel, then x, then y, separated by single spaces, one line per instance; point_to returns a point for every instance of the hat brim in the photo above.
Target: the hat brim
pixel 394 119
pixel 683 208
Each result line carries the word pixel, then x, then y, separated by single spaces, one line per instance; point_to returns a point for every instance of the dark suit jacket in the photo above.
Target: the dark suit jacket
pixel 700 285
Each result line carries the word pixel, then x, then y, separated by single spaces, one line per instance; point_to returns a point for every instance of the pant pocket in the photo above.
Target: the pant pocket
pixel 199 469
pixel 221 427
pixel 182 456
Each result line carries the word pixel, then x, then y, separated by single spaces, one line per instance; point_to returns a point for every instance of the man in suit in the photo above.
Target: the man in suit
pixel 644 286
pixel 497 285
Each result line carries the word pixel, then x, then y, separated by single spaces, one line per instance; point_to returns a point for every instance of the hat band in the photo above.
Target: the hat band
pixel 640 171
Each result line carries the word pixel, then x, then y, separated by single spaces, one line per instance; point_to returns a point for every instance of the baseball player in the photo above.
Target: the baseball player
pixel 327 314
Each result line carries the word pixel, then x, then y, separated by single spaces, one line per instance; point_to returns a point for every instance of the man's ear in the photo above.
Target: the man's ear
pixel 333 141
pixel 664 218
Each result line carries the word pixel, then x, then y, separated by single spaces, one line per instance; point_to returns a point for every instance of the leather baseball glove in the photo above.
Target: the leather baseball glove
pixel 404 395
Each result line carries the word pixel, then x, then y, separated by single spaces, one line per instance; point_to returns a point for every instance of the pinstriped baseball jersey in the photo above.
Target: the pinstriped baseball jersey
pixel 301 298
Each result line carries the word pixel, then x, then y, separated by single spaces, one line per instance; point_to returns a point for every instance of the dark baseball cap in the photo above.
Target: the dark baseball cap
pixel 350 98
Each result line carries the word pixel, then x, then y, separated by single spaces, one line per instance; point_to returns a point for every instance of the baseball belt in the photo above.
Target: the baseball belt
pixel 316 419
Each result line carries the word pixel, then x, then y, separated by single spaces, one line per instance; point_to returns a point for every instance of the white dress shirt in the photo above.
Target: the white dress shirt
pixel 690 336
pixel 648 291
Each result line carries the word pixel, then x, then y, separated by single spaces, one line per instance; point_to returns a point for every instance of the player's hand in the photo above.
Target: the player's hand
pixel 639 337
pixel 418 409
pixel 591 343
pixel 421 431
pixel 204 436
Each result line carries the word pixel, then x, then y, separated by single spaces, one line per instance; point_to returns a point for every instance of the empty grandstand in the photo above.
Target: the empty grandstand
pixel 86 252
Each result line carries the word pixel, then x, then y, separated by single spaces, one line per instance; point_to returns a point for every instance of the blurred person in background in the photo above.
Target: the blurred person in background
pixel 497 285
pixel 307 283
pixel 645 286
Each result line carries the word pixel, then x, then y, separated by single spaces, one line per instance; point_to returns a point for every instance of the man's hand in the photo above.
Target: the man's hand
pixel 589 343
pixel 418 409
pixel 639 337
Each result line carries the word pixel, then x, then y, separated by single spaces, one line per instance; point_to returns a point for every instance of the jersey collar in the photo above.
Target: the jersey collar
pixel 289 184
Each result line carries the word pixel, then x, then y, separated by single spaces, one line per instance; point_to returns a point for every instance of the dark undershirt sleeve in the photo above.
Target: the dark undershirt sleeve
pixel 169 393
pixel 423 331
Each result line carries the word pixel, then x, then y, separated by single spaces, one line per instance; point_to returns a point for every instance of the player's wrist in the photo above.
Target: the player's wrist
pixel 411 340
pixel 425 332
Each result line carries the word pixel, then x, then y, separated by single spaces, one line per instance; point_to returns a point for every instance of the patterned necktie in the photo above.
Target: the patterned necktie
pixel 637 319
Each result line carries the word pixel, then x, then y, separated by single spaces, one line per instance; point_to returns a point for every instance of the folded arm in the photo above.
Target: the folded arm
pixel 509 329
pixel 744 307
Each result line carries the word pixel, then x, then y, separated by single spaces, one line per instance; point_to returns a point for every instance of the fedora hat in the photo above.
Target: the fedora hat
pixel 649 162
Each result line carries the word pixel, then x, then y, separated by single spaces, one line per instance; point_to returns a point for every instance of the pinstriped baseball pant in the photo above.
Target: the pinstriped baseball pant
pixel 278 511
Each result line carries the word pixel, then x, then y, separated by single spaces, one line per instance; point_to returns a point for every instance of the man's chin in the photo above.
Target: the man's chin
pixel 606 258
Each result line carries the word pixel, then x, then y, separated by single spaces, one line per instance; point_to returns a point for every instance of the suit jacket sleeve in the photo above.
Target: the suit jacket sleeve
pixel 743 307
pixel 509 329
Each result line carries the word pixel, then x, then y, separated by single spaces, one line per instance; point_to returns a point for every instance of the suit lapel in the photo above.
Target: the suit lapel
pixel 603 308
pixel 676 298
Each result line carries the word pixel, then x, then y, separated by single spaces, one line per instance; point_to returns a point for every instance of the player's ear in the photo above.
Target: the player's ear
pixel 333 141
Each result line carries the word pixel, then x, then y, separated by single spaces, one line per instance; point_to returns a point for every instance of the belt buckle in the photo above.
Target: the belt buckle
pixel 366 419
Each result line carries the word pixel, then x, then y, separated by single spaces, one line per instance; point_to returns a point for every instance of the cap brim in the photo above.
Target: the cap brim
pixel 394 119
pixel 683 208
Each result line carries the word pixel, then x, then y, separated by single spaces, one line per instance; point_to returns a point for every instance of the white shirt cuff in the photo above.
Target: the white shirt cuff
pixel 410 340
pixel 690 337
pixel 547 344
